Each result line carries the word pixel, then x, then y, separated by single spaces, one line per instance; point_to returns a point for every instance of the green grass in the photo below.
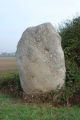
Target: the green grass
pixel 15 109
pixel 12 109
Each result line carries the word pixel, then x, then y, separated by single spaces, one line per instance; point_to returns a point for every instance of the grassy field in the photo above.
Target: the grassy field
pixel 7 64
pixel 15 109
pixel 11 109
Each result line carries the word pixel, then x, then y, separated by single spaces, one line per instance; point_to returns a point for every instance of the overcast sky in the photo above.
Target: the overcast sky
pixel 17 15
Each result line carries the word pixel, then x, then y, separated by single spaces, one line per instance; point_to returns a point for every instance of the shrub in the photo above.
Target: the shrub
pixel 70 33
pixel 10 80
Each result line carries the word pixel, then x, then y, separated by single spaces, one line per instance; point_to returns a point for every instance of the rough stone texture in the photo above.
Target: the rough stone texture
pixel 40 59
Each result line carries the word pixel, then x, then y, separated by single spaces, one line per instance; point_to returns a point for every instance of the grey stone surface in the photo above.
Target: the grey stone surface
pixel 40 59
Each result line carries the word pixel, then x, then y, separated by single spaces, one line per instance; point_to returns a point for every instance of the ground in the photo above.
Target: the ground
pixel 8 64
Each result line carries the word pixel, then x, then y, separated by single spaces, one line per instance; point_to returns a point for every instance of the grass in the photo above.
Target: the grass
pixel 11 109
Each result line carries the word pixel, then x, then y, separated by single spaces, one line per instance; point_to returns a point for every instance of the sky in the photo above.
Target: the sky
pixel 18 15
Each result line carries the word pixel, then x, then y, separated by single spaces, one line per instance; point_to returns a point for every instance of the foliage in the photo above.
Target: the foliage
pixel 70 33
pixel 10 80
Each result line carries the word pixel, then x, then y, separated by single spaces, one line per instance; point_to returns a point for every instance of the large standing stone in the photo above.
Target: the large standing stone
pixel 40 59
